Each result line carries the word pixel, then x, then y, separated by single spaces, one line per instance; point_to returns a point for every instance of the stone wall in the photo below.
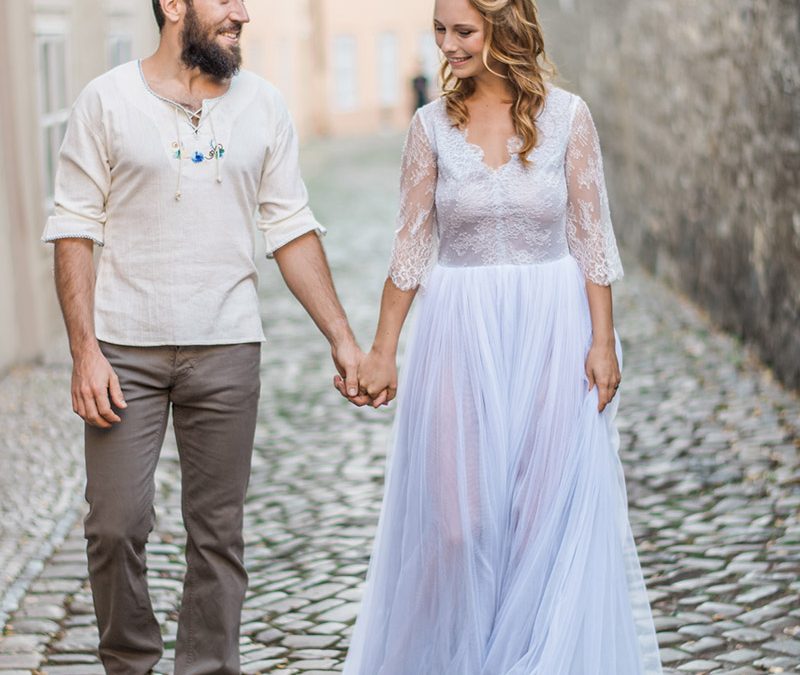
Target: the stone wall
pixel 698 107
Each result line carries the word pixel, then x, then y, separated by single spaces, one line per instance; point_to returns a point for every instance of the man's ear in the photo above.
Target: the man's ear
pixel 173 10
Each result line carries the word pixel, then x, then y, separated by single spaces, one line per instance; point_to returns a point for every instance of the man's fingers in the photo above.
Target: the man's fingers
pixel 117 398
pixel 338 383
pixel 104 406
pixel 351 380
pixel 90 415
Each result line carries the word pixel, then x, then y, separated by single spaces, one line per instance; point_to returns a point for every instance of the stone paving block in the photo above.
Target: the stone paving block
pixel 790 647
pixel 310 641
pixel 28 661
pixel 16 644
pixel 670 656
pixel 698 666
pixel 739 656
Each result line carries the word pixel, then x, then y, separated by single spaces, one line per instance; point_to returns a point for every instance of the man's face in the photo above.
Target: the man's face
pixel 210 36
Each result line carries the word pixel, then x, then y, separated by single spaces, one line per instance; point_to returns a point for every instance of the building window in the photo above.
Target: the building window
pixel 51 62
pixel 119 49
pixel 345 73
pixel 388 70
pixel 429 56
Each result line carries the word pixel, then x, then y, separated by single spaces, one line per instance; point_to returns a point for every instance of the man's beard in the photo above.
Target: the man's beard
pixel 201 51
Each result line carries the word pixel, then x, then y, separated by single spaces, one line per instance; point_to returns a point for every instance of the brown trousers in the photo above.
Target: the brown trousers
pixel 213 392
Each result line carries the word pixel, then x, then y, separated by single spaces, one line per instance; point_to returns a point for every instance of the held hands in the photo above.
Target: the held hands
pixel 94 388
pixel 602 369
pixel 376 381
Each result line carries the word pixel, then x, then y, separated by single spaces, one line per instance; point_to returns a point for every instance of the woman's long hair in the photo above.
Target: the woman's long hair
pixel 514 40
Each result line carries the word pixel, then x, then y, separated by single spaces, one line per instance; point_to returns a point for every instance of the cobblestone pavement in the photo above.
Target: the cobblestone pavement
pixel 711 449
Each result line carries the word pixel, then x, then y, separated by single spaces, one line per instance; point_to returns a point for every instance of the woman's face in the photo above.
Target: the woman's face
pixel 461 34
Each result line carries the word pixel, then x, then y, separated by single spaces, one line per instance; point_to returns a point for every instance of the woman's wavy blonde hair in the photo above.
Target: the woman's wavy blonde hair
pixel 514 40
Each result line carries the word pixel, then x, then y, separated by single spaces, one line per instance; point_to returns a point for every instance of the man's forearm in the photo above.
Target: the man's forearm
pixel 74 272
pixel 305 270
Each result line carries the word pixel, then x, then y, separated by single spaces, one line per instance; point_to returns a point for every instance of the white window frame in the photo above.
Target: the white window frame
pixel 119 48
pixel 388 69
pixel 53 94
pixel 345 72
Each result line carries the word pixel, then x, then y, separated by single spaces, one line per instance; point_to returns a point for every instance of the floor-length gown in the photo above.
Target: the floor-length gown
pixel 503 546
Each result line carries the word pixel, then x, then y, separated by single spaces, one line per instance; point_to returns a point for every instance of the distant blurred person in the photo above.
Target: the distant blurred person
pixel 504 546
pixel 420 86
pixel 169 163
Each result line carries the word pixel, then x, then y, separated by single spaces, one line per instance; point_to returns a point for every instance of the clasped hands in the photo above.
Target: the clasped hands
pixel 366 379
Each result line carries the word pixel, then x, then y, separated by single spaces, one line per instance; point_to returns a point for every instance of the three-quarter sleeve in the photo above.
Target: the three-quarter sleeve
pixel 283 211
pixel 83 181
pixel 415 242
pixel 590 234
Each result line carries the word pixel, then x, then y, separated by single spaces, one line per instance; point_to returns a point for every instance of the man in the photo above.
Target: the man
pixel 168 163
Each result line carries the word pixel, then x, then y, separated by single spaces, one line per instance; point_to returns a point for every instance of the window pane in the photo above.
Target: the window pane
pixel 388 69
pixel 58 73
pixel 344 72
pixel 44 77
pixel 49 163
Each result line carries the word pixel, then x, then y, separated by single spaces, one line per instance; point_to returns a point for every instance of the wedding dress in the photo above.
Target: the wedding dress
pixel 503 546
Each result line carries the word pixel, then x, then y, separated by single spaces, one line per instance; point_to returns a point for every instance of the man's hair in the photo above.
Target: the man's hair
pixel 160 18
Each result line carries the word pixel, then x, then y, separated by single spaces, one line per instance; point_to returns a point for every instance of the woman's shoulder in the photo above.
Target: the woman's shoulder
pixel 561 100
pixel 429 112
pixel 430 117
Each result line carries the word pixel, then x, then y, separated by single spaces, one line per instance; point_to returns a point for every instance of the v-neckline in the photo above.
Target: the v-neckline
pixel 206 105
pixel 511 141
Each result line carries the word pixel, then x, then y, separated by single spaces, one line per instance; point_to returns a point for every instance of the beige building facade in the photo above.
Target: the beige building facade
pixel 49 49
pixel 344 67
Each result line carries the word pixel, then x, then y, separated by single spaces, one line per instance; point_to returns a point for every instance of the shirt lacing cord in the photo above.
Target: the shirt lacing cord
pixel 190 115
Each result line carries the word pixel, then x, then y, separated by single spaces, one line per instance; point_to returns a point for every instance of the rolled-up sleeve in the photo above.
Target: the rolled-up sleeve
pixel 283 211
pixel 83 179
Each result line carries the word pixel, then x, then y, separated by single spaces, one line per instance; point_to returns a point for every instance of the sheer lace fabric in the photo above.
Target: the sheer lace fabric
pixel 457 210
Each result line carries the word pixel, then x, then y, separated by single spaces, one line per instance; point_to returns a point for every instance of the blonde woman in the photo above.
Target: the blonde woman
pixel 503 546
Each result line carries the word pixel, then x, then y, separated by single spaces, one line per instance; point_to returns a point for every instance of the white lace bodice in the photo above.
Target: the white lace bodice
pixel 456 209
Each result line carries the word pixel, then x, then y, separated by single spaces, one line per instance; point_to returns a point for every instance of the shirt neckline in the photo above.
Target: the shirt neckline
pixel 206 101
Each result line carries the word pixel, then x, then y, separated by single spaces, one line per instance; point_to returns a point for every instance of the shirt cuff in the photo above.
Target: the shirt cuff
pixel 281 234
pixel 72 227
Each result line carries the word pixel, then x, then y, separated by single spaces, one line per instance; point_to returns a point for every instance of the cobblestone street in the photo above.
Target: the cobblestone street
pixel 710 445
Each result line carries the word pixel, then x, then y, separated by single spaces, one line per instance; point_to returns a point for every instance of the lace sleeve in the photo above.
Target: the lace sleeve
pixel 589 231
pixel 415 240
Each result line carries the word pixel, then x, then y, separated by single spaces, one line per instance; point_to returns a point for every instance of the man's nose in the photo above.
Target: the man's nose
pixel 239 12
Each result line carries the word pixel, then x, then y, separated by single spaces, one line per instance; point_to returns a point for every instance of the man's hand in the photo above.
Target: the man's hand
pixel 602 369
pixel 347 357
pixel 93 382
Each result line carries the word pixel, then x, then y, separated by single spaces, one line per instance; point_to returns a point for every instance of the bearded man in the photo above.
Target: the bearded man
pixel 168 163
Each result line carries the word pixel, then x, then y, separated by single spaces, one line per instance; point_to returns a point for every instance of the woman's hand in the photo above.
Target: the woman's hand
pixel 377 377
pixel 602 369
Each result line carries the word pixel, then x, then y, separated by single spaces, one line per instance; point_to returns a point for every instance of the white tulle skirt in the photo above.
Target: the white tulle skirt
pixel 503 546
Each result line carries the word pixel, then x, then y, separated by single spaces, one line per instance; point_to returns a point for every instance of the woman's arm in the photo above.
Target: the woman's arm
pixel 590 235
pixel 414 252
pixel 378 371
pixel 602 367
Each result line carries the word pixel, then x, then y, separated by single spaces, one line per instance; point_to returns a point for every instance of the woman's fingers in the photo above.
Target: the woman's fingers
pixel 380 399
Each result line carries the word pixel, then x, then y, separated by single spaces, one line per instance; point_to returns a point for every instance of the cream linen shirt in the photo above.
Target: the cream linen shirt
pixel 174 206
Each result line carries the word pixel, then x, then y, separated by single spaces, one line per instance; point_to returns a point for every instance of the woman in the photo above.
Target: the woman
pixel 503 546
